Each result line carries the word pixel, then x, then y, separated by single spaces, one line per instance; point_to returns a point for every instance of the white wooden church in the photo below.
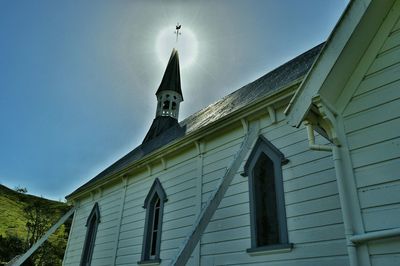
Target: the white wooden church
pixel 299 167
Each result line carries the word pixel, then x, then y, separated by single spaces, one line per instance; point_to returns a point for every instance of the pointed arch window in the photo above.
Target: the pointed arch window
pixel 154 205
pixel 90 239
pixel 267 206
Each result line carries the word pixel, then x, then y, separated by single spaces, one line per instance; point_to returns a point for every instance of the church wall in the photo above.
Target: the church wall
pixel 179 182
pixel 372 125
pixel 190 176
pixel 312 204
pixel 108 200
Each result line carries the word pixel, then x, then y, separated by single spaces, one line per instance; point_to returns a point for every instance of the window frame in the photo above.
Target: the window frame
pixel 263 146
pixel 92 224
pixel 155 194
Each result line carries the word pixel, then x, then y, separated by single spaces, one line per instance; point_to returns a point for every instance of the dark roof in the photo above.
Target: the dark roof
pixel 159 125
pixel 172 77
pixel 263 86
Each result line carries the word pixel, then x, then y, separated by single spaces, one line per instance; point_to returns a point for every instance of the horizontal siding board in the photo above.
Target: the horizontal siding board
pixel 380 132
pixel 385 246
pixel 214 175
pixel 175 233
pixel 373 98
pixel 300 251
pixel 373 174
pixel 379 79
pixel 309 235
pixel 389 58
pixel 373 116
pixel 385 260
pixel 382 194
pixel 292 138
pixel 178 214
pixel 328 261
pixel 127 260
pixel 175 224
pixel 312 179
pixel 383 151
pixel 231 211
pixel 312 206
pixel 234 200
pixel 221 164
pixel 228 223
pixel 226 246
pixel 210 157
pixel 310 167
pixel 315 220
pixel 374 217
pixel 218 141
pixel 132 233
pixel 226 235
pixel 392 41
pixel 309 193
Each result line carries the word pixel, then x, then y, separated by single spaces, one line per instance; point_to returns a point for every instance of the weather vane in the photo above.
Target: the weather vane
pixel 177 32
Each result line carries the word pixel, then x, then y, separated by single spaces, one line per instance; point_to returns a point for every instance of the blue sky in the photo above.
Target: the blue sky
pixel 77 78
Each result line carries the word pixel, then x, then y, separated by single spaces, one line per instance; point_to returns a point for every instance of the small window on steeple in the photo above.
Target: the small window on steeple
pixel 166 105
pixel 173 105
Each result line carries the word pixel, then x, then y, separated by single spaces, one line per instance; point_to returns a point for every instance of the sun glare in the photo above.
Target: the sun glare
pixel 186 45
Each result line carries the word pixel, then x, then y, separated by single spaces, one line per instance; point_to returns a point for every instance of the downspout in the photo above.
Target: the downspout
pixel 347 218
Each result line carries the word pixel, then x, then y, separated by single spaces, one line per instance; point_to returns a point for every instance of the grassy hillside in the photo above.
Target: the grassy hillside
pixel 14 207
pixel 12 204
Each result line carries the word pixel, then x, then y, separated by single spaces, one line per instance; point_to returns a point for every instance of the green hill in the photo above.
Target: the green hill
pixel 15 209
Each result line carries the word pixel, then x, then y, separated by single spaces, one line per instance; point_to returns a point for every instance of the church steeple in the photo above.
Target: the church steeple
pixel 169 94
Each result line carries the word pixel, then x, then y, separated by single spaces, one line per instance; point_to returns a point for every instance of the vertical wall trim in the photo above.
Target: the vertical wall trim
pixel 199 196
pixel 121 212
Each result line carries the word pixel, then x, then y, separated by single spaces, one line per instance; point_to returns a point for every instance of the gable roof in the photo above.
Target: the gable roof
pixel 343 50
pixel 269 83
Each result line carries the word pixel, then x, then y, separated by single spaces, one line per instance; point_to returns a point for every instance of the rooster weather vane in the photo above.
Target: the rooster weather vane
pixel 177 32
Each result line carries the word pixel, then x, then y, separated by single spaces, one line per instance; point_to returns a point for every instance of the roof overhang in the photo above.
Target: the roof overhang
pixel 343 50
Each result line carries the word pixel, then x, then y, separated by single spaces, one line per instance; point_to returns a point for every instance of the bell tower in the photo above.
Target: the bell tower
pixel 169 94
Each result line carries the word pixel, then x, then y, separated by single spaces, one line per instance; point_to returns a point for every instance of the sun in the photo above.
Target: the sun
pixel 186 45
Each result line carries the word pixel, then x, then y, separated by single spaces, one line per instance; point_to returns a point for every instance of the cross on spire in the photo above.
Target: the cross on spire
pixel 177 32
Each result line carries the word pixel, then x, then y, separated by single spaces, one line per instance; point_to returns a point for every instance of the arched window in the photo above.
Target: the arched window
pixel 154 205
pixel 267 206
pixel 90 239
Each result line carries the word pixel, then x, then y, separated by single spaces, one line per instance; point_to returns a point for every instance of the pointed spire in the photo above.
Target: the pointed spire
pixel 171 80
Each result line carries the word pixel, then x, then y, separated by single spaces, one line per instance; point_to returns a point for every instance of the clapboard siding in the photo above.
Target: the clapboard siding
pixel 329 261
pixel 372 125
pixel 373 217
pixel 108 201
pixel 310 193
pixel 311 197
pixel 234 253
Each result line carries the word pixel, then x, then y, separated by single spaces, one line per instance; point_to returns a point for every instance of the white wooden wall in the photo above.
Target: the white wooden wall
pixel 109 201
pixel 372 125
pixel 312 204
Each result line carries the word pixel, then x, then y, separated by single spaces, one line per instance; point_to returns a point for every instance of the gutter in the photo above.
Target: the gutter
pixel 346 212
pixel 362 238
